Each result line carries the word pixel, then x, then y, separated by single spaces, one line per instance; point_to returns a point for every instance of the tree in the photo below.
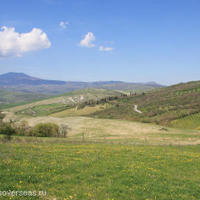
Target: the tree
pixel 63 130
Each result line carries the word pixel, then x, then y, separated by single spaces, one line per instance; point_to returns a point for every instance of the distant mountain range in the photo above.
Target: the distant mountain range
pixel 13 78
pixel 24 83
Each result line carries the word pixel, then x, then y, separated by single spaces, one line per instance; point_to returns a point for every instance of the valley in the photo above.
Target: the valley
pixel 113 115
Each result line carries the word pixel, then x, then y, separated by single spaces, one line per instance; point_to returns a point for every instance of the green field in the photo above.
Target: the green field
pixel 90 171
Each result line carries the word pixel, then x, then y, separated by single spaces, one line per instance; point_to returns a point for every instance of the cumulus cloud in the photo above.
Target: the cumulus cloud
pixel 13 43
pixel 102 48
pixel 87 41
pixel 63 24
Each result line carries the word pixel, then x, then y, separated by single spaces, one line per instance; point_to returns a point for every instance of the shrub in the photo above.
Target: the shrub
pixel 7 130
pixel 146 120
pixel 164 129
pixel 46 130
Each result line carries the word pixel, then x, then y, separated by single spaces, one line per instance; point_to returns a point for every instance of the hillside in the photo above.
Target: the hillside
pixel 8 98
pixel 63 102
pixel 25 83
pixel 176 106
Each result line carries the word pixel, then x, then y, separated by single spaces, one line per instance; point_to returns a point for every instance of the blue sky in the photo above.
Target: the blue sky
pixel 146 40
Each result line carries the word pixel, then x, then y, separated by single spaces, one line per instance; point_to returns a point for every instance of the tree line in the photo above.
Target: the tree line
pixel 8 129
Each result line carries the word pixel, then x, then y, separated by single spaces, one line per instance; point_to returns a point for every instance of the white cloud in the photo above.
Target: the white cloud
pixel 63 25
pixel 13 43
pixel 87 41
pixel 102 48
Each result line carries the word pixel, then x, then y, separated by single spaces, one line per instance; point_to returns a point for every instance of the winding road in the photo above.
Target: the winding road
pixel 136 109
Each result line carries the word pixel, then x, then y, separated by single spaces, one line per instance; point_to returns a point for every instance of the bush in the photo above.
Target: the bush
pixel 7 130
pixel 46 130
pixel 164 129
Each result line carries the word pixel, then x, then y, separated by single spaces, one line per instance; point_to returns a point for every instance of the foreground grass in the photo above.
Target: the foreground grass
pixel 101 171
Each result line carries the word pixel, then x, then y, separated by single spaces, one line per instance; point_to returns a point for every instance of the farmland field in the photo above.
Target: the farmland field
pixel 63 102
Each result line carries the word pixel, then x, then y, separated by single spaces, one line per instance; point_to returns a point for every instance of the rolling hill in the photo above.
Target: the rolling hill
pixel 176 106
pixel 86 112
pixel 67 101
pixel 25 83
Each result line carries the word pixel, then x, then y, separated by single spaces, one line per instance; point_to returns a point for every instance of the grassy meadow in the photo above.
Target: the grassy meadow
pixel 88 171
pixel 103 159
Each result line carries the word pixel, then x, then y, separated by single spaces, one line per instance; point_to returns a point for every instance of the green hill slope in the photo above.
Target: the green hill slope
pixel 8 98
pixel 172 106
pixel 63 102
